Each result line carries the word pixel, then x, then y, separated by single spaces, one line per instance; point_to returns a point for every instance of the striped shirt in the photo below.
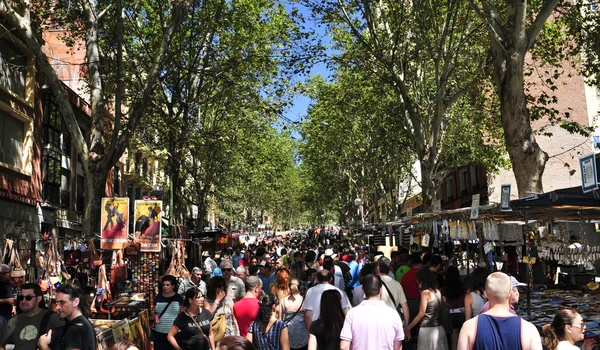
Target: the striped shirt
pixel 169 316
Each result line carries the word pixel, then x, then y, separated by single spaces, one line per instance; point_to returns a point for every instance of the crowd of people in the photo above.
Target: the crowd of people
pixel 324 292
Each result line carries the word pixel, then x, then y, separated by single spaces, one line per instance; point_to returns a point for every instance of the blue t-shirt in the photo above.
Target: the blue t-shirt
pixel 266 282
pixel 6 292
pixel 354 272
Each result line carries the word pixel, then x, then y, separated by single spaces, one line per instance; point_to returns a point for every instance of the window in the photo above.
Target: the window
pixel 80 190
pixel 65 188
pixel 13 67
pixel 17 64
pixel 462 176
pixel 51 178
pixel 12 131
pixel 450 189
pixel 593 6
pixel 474 177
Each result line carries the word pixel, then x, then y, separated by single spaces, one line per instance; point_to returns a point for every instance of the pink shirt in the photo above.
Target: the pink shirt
pixel 372 325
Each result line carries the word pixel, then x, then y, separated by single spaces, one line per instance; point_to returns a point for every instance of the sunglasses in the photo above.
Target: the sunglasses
pixel 26 297
pixel 226 270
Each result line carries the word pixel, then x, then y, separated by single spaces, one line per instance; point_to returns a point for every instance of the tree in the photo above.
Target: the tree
pixel 224 87
pixel 513 27
pixel 428 52
pixel 104 33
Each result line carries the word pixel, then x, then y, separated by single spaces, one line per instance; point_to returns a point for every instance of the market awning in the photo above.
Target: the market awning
pixel 573 196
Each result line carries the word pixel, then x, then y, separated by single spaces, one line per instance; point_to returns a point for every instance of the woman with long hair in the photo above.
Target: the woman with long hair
pixel 192 326
pixel 432 335
pixel 566 329
pixel 475 300
pixel 267 332
pixel 292 313
pixel 281 284
pixel 218 303
pixel 324 333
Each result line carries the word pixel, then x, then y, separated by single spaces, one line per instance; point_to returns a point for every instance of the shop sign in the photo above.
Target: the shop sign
pixel 475 207
pixel 15 197
pixel 589 181
pixel 409 212
pixel 505 198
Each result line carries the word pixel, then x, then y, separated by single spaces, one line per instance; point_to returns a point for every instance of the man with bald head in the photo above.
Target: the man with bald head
pixel 498 328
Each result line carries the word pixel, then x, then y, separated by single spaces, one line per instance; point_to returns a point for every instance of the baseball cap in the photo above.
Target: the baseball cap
pixel 516 283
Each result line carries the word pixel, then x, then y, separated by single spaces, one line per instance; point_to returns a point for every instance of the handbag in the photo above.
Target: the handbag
pixel 444 318
pixel 118 272
pixel 96 258
pixel 72 256
pixel 218 326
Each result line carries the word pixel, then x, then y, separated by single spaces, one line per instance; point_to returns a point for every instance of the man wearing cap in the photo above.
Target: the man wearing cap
pixel 235 286
pixel 25 329
pixel 265 275
pixel 498 328
pixel 337 273
pixel 514 298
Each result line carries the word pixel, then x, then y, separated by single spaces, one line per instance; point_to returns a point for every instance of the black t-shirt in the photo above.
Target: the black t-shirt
pixel 5 293
pixel 75 334
pixel 189 336
pixel 322 342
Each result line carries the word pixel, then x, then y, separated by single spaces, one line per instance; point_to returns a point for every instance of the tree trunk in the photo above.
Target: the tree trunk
pixel 94 191
pixel 428 188
pixel 527 158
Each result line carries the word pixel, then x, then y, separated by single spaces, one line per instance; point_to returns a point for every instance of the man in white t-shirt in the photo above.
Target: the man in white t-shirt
pixel 312 301
pixel 392 293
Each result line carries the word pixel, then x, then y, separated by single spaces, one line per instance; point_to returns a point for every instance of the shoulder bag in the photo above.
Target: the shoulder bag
pixel 200 328
pixel 295 313
pixel 444 318
pixel 389 292
pixel 218 325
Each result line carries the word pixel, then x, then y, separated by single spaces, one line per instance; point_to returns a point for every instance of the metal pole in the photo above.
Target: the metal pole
pixel 171 209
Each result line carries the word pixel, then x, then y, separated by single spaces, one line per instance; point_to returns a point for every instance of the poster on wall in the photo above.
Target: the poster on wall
pixel 145 324
pixel 148 225
pixel 114 222
pixel 121 330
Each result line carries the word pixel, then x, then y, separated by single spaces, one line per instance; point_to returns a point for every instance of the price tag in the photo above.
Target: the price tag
pixel 425 240
pixel 475 206
pixel 487 247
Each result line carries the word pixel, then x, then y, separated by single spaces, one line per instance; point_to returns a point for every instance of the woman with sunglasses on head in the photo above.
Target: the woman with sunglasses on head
pixel 566 329
pixel 191 328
